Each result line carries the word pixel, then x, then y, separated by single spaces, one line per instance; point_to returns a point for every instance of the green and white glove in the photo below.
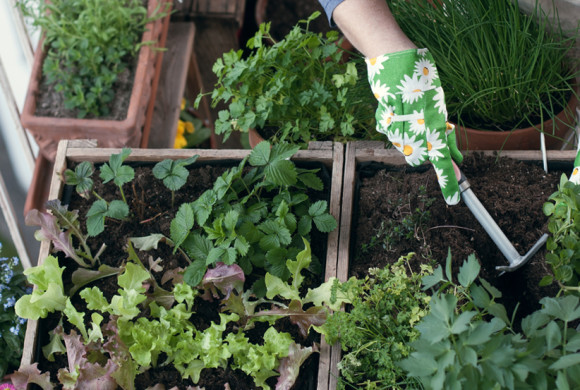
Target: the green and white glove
pixel 412 113
pixel 575 176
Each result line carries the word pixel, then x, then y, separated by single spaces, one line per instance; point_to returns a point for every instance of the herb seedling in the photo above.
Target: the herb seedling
pixel 101 209
pixel 173 173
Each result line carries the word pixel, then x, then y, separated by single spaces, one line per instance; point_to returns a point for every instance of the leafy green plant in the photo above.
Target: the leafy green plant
pixel 88 45
pixel 563 210
pixel 173 173
pixel 500 69
pixel 13 285
pixel 255 219
pixel 376 328
pixel 117 334
pixel 299 89
pixel 101 209
pixel 467 340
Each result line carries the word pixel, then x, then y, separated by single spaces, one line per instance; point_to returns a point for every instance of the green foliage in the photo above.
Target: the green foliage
pixel 563 210
pixel 173 173
pixel 467 340
pixel 376 330
pixel 101 209
pixel 48 296
pixel 113 329
pixel 255 219
pixel 12 286
pixel 500 69
pixel 301 88
pixel 89 43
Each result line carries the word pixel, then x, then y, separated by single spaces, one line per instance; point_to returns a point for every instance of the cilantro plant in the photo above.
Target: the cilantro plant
pixel 88 45
pixel 255 218
pixel 300 89
pixel 563 210
pixel 376 329
pixel 467 340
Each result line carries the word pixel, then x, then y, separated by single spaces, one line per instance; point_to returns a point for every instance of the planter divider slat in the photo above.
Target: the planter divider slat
pixel 331 154
pixel 365 151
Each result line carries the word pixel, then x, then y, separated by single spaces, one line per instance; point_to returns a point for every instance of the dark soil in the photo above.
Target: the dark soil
pixel 150 200
pixel 513 192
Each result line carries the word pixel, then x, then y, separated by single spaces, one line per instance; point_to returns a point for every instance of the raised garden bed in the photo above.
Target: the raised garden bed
pixel 390 209
pixel 212 163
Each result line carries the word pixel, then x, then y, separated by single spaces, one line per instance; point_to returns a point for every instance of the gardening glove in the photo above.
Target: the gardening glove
pixel 412 113
pixel 575 176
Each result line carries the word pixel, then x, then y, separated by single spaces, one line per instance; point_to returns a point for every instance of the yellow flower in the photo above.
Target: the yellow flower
pixel 189 128
pixel 183 102
pixel 180 127
pixel 180 142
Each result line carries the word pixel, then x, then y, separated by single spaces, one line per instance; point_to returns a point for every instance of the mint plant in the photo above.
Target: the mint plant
pixel 563 210
pixel 88 45
pixel 467 340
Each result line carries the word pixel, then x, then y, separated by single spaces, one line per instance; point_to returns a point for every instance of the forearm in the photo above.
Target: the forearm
pixel 370 27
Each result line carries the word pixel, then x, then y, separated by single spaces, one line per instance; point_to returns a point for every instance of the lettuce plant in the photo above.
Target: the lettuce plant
pixel 112 341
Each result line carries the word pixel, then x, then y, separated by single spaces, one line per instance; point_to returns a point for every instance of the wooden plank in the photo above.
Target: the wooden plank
pixel 171 86
pixel 326 361
pixel 213 38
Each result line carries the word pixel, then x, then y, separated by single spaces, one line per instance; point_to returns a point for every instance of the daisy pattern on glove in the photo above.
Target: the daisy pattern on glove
pixel 412 113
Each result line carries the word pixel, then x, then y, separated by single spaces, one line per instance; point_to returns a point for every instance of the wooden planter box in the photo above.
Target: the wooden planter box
pixel 47 131
pixel 331 155
pixel 369 151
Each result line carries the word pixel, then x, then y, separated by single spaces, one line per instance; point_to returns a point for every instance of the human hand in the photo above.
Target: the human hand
pixel 412 113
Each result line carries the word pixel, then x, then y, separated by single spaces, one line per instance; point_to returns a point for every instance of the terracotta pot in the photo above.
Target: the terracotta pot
pixel 47 131
pixel 254 138
pixel 521 139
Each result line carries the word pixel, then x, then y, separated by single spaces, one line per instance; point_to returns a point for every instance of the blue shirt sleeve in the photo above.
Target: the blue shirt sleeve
pixel 329 6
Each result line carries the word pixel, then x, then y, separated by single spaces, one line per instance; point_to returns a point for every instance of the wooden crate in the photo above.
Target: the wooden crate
pixel 330 154
pixel 366 151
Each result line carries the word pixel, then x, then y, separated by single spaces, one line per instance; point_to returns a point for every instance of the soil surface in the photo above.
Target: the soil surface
pixel 513 192
pixel 150 201
pixel 50 103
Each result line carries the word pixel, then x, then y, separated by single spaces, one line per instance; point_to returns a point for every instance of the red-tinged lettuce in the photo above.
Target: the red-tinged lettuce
pixel 81 372
pixel 29 374
pixel 225 278
pixel 290 366
pixel 59 228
